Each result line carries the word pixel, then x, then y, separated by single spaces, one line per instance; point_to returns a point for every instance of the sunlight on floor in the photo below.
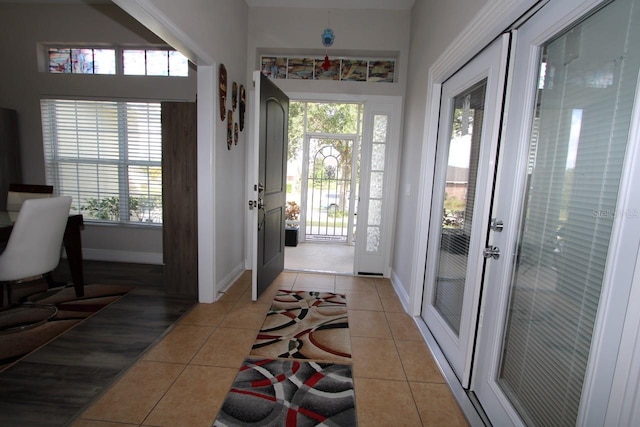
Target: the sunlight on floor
pixel 319 257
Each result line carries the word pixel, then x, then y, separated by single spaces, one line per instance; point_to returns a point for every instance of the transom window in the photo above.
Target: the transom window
pixel 107 155
pixel 144 62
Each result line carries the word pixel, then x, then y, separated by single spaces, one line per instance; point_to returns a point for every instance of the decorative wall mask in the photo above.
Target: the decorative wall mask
pixel 234 96
pixel 243 106
pixel 229 129
pixel 222 78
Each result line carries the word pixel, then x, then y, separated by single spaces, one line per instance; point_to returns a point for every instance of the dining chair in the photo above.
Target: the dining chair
pixel 18 193
pixel 35 243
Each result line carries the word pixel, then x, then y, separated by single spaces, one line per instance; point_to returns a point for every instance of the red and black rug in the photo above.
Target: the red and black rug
pixel 305 325
pixel 291 393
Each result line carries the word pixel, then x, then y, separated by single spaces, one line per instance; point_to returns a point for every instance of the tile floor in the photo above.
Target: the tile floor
pixel 183 380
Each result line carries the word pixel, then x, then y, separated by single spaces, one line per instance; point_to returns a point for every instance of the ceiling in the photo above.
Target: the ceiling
pixel 335 4
pixel 308 4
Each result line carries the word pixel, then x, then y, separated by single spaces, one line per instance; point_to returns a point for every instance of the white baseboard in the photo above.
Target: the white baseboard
pixel 400 291
pixel 229 280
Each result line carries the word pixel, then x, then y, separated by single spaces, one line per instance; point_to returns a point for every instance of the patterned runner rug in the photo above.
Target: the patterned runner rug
pixel 305 325
pixel 289 393
pixel 299 369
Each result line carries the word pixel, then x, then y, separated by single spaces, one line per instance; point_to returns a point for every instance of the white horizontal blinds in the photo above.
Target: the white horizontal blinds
pixel 107 155
pixel 458 203
pixel 144 154
pixel 583 123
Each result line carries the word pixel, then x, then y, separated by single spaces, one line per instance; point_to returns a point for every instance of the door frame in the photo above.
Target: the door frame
pixel 390 104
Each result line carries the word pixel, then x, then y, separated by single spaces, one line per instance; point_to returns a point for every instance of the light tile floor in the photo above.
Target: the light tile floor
pixel 183 380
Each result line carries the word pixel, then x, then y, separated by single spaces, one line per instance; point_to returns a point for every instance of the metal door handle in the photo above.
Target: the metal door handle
pixel 491 252
pixel 496 224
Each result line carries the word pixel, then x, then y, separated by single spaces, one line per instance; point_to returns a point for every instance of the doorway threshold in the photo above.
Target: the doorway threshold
pixel 321 257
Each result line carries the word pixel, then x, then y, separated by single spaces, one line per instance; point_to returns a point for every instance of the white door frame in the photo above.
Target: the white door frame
pixel 393 106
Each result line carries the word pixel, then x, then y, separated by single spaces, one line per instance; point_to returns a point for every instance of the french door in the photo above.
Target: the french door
pixel 467 143
pixel 552 303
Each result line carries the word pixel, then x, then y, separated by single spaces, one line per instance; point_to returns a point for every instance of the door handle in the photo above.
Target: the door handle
pixel 491 252
pixel 496 224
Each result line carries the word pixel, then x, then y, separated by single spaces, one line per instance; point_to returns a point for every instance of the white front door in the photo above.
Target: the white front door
pixel 378 181
pixel 554 301
pixel 466 152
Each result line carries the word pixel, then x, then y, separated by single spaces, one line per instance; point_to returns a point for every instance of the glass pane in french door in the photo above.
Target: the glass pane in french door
pixel 588 78
pixel 459 195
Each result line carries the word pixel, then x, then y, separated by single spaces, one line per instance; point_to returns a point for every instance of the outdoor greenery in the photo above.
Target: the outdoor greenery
pixel 108 208
pixel 321 117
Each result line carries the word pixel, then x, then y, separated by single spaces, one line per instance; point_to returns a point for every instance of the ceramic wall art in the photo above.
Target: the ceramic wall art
pixel 243 106
pixel 222 78
pixel 234 96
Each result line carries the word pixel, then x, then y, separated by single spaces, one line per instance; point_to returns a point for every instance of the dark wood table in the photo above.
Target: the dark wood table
pixel 72 244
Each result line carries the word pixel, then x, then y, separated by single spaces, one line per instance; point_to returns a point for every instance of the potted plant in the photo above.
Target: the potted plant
pixel 292 214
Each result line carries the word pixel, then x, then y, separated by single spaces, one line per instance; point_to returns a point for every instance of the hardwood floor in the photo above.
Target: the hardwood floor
pixel 50 386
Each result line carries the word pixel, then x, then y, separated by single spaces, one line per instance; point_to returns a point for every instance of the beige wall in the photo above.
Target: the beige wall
pixel 365 33
pixel 22 28
pixel 434 26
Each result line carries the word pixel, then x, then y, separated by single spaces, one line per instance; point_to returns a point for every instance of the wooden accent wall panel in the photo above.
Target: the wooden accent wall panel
pixel 10 170
pixel 179 198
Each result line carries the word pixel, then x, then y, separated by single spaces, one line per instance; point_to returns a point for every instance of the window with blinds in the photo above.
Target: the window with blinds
pixel 107 156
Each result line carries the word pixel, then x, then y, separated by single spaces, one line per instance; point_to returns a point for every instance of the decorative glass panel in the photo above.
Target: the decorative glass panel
pixel 178 64
pixel 380 128
pixel 104 61
pixel 377 181
pixel 82 61
pixel 377 157
pixel 375 212
pixel 373 239
pixel 134 62
pixel 59 60
pixel 331 73
pixel 274 67
pixel 157 63
pixel 354 69
pixel 300 68
pixel 381 71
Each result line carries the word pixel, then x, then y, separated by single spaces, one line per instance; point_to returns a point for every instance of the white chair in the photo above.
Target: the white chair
pixel 35 243
pixel 18 193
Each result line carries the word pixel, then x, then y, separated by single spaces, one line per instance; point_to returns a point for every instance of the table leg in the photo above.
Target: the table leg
pixel 73 247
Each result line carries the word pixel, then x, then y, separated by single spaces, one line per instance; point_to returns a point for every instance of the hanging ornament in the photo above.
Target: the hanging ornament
pixel 326 64
pixel 327 37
